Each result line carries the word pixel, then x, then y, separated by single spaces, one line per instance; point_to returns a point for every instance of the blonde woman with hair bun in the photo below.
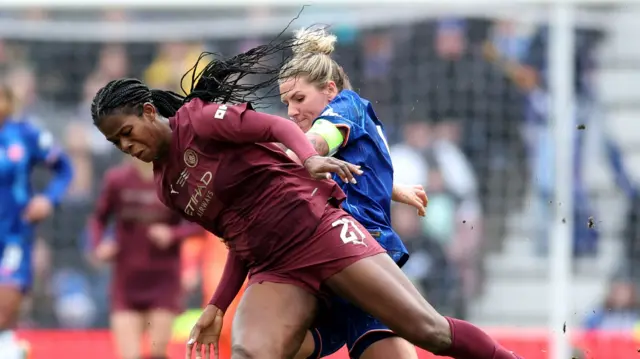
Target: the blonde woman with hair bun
pixel 340 123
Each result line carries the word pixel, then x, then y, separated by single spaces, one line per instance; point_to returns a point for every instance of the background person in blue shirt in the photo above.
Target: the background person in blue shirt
pixel 22 147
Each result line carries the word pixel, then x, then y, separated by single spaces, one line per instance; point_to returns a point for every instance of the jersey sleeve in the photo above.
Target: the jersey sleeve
pixel 240 124
pixel 233 277
pixel 43 150
pixel 345 120
pixel 104 209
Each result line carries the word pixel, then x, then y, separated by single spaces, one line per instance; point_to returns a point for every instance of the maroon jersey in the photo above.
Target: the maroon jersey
pixel 223 173
pixel 130 201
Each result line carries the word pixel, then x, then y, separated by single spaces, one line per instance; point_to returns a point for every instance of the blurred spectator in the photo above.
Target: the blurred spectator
pixel 23 83
pixel 430 156
pixel 409 165
pixel 428 267
pixel 112 62
pixel 507 47
pixel 458 85
pixel 173 60
pixel 83 114
pixel 619 310
pixel 539 137
pixel 454 214
pixel 79 150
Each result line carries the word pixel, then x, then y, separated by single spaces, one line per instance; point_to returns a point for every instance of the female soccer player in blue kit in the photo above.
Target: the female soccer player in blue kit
pixel 22 146
pixel 340 123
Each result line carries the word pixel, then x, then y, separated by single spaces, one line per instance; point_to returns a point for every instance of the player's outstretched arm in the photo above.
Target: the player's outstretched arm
pixel 414 196
pixel 239 124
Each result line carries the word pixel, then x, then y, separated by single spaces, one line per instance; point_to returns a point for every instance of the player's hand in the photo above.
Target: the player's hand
pixel 321 168
pixel 206 333
pixel 106 250
pixel 39 208
pixel 161 235
pixel 413 195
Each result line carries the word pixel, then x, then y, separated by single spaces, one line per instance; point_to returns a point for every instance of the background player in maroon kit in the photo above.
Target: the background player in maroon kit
pixel 146 286
pixel 280 223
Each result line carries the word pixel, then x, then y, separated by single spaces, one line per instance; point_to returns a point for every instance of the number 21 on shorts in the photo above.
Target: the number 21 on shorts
pixel 349 231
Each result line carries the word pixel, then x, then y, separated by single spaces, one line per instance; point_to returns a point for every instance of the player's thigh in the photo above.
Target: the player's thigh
pixel 160 328
pixel 15 278
pixel 127 328
pixel 388 347
pixel 378 286
pixel 10 299
pixel 308 346
pixel 271 321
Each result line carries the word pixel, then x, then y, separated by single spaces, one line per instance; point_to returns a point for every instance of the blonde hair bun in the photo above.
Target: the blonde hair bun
pixel 314 41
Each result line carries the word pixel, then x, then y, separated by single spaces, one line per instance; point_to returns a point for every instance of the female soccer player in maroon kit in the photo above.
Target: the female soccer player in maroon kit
pixel 146 287
pixel 215 163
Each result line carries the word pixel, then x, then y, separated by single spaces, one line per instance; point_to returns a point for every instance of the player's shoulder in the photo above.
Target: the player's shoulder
pixel 201 115
pixel 25 127
pixel 346 107
pixel 41 137
pixel 198 109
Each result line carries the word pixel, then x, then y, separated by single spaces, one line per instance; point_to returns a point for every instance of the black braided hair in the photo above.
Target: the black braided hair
pixel 127 96
pixel 220 81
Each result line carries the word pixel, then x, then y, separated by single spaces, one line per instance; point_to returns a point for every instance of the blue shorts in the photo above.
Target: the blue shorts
pixel 15 262
pixel 345 324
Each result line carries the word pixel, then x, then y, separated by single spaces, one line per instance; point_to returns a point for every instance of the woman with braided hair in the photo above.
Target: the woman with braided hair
pixel 215 163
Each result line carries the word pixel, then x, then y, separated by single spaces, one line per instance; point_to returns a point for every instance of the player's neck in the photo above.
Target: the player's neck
pixel 167 135
pixel 145 171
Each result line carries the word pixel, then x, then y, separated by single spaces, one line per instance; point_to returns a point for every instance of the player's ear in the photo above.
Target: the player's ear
pixel 149 112
pixel 331 90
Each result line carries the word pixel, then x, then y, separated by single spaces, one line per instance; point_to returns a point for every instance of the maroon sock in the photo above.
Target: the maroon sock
pixel 470 342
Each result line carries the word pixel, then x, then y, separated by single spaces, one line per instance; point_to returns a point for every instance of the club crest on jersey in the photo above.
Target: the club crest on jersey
pixel 190 158
pixel 15 152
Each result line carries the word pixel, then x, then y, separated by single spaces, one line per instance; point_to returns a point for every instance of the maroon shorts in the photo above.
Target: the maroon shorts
pixel 338 241
pixel 163 293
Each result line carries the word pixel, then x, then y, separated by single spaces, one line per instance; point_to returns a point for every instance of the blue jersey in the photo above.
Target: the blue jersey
pixel 369 201
pixel 22 147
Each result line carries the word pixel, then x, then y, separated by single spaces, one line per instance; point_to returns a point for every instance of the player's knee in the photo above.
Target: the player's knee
pixel 430 331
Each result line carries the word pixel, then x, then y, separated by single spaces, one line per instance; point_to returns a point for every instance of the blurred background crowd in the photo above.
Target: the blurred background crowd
pixel 465 104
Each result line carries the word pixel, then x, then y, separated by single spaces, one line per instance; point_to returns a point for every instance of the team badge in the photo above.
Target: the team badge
pixel 15 152
pixel 190 158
